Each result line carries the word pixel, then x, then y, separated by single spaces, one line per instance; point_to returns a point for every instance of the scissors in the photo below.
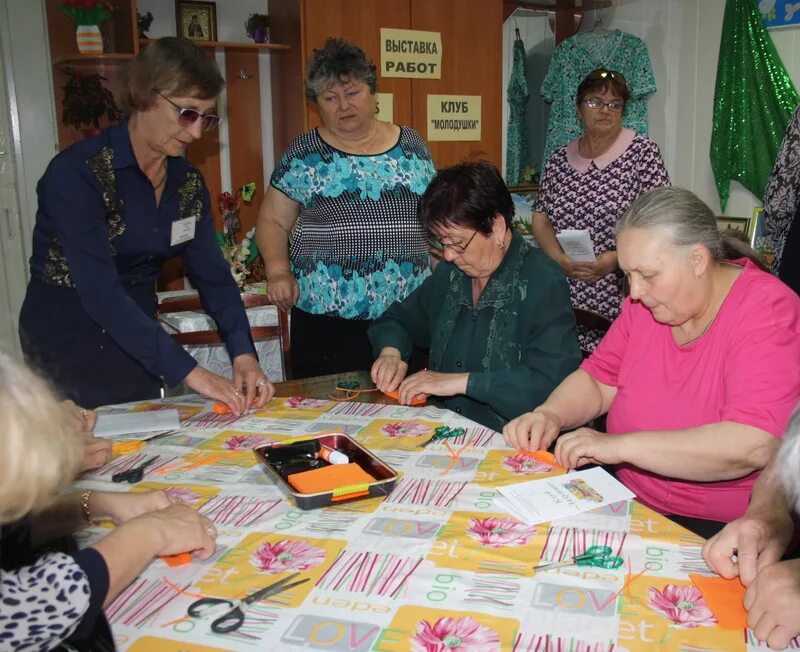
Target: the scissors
pixel 443 432
pixel 135 474
pixel 596 556
pixel 233 619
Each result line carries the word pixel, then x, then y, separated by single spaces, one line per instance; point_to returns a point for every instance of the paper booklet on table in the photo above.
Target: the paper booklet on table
pixel 577 244
pixel 142 424
pixel 552 498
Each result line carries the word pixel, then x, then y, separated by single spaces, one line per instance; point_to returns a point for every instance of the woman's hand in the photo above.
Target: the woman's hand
pixel 97 452
pixel 587 446
pixel 282 289
pixel 251 381
pixel 84 420
pixel 427 383
pixel 213 386
pixel 121 507
pixel 181 529
pixel 388 370
pixel 594 271
pixel 533 430
pixel 773 604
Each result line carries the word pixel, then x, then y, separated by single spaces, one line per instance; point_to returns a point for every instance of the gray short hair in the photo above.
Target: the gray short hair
pixel 336 62
pixel 788 460
pixel 685 220
pixel 41 447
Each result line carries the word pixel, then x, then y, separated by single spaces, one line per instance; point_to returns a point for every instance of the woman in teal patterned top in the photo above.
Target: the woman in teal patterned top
pixel 495 314
pixel 348 192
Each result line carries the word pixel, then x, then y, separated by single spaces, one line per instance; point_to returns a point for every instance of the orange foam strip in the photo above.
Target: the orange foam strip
pixel 221 408
pixel 181 559
pixel 725 598
pixel 544 457
pixel 419 399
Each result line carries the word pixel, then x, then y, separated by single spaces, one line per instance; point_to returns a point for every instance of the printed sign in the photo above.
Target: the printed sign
pixel 411 53
pixel 385 105
pixel 454 117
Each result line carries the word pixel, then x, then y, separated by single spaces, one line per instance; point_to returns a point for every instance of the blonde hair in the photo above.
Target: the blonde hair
pixel 789 461
pixel 41 447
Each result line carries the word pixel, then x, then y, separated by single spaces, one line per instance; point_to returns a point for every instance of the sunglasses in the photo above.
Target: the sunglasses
pixel 187 117
pixel 457 249
pixel 602 73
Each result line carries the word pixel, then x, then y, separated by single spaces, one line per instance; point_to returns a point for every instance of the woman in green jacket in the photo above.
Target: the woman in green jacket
pixel 495 315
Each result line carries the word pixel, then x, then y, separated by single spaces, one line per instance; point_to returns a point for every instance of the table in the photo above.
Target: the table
pixel 435 561
pixel 214 357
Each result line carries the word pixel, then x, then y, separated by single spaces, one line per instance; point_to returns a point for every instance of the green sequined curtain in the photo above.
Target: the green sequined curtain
pixel 753 102
pixel 517 148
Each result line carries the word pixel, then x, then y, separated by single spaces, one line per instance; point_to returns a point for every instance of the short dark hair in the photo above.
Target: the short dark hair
pixel 339 61
pixel 173 66
pixel 600 81
pixel 467 195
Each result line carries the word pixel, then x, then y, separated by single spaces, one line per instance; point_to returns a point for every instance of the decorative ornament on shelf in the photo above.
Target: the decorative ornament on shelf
pixel 241 255
pixel 257 27
pixel 86 101
pixel 765 248
pixel 87 16
pixel 143 23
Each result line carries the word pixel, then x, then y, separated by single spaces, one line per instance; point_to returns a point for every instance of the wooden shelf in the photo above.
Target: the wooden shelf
pixel 238 45
pixel 93 59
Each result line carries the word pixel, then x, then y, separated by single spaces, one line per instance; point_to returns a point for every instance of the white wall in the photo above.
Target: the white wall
pixel 683 38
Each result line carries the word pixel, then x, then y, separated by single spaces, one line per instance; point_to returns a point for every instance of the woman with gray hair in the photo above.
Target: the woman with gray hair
pixel 347 191
pixel 750 548
pixel 111 210
pixel 699 373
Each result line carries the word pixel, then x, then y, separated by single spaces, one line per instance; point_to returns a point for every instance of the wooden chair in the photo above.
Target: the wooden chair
pixel 212 336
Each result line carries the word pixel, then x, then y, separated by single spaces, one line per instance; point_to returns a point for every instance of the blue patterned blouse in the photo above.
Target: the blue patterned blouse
pixel 358 245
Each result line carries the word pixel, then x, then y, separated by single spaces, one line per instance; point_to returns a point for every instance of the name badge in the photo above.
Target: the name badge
pixel 182 231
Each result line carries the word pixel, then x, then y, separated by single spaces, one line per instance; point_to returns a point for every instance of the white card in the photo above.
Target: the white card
pixel 547 499
pixel 182 230
pixel 114 425
pixel 577 244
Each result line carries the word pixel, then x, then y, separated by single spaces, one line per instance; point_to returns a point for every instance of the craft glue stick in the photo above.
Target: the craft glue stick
pixel 332 457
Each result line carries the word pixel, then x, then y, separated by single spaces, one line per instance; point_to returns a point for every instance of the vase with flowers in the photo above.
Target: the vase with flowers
pixel 257 27
pixel 86 101
pixel 240 255
pixel 87 16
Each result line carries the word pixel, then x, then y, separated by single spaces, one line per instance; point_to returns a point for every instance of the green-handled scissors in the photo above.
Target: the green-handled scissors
pixel 595 556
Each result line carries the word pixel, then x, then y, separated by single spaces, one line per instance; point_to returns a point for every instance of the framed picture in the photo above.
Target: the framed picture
pixel 736 226
pixel 524 198
pixel 757 226
pixel 196 20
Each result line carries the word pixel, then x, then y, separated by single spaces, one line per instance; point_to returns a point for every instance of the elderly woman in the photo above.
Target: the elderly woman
pixel 752 546
pixel 495 314
pixel 348 193
pixel 62 595
pixel 698 374
pixel 111 210
pixel 588 184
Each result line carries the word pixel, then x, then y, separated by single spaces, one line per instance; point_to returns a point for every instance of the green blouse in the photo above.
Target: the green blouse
pixel 518 343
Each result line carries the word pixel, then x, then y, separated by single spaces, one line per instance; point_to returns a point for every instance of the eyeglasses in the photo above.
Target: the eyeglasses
pixel 187 117
pixel 602 73
pixel 457 249
pixel 597 103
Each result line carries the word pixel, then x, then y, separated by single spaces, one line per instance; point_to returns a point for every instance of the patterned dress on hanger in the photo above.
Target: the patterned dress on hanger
pixel 576 57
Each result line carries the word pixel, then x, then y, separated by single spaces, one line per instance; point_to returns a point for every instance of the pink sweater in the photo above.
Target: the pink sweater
pixel 745 369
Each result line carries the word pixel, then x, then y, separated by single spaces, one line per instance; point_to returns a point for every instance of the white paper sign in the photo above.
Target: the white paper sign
pixel 551 498
pixel 114 425
pixel 577 244
pixel 182 230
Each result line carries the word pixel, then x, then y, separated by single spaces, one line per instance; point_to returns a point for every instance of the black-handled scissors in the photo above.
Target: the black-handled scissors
pixel 135 474
pixel 233 619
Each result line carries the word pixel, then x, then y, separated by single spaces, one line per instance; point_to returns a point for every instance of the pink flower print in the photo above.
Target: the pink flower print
pixel 244 442
pixel 286 555
pixel 521 464
pixel 455 635
pixel 406 429
pixel 683 605
pixel 300 403
pixel 183 495
pixel 500 532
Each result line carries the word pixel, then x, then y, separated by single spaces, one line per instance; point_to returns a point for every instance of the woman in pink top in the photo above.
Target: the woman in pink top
pixel 698 375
